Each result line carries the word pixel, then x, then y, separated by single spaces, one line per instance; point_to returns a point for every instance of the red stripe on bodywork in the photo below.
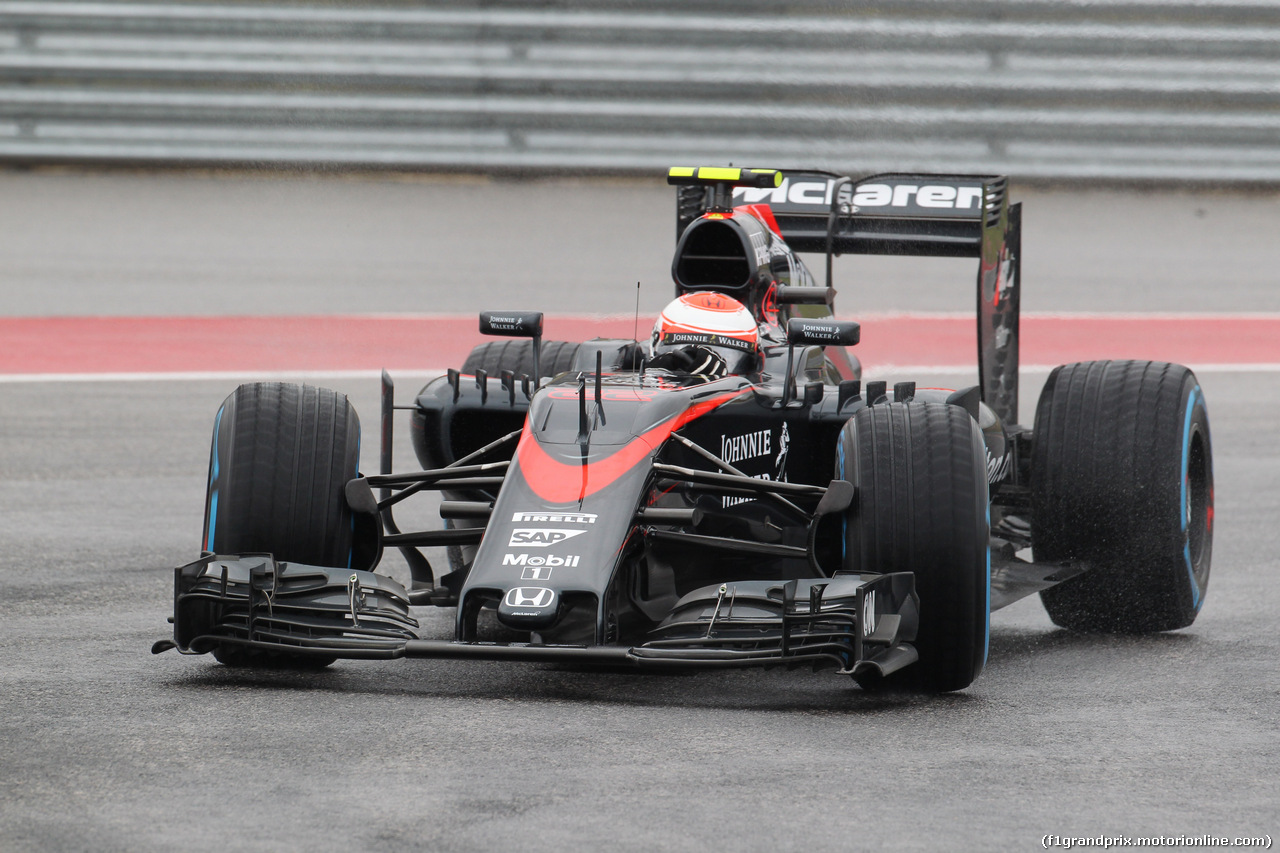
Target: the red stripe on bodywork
pixel 568 482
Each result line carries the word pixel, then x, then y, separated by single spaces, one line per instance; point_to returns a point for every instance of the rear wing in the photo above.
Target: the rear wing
pixel 889 214
pixel 965 216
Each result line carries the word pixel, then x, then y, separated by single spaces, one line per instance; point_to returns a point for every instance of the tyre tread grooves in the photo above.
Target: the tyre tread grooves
pixel 284 466
pixel 922 502
pixel 1106 472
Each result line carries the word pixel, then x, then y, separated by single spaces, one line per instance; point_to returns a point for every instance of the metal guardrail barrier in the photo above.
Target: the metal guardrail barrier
pixel 1183 90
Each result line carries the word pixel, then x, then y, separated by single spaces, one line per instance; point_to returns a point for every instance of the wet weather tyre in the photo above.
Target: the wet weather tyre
pixel 1122 479
pixel 281 457
pixel 921 507
pixel 493 357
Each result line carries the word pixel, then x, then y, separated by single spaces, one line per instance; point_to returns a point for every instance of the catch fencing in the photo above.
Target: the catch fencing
pixel 1154 90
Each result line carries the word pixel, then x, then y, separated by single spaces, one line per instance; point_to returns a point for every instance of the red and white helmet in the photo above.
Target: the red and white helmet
pixel 707 319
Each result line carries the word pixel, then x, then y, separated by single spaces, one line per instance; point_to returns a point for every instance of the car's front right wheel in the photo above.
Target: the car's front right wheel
pixel 281 457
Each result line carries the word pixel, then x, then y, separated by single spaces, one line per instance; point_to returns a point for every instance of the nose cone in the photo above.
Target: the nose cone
pixel 529 608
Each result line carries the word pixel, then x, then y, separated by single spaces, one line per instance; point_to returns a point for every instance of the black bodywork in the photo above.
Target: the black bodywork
pixel 618 515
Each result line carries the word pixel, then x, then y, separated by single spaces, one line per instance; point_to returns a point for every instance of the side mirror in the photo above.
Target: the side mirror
pixel 823 333
pixel 791 295
pixel 511 324
pixel 517 324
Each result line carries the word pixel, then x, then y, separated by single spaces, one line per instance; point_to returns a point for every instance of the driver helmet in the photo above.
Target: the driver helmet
pixel 711 321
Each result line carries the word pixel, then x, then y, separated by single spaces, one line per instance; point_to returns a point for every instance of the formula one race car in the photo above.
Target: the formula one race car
pixel 730 492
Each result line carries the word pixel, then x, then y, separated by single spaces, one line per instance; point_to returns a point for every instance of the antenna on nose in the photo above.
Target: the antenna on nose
pixel 635 330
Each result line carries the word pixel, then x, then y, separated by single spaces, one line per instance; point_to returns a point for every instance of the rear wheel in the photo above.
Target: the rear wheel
pixel 516 355
pixel 281 457
pixel 921 507
pixel 1122 479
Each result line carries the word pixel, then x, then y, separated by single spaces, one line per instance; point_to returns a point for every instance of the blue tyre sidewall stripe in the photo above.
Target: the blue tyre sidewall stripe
pixel 1186 454
pixel 215 469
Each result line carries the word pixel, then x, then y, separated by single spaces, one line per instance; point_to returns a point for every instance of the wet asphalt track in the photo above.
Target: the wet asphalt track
pixel 104 747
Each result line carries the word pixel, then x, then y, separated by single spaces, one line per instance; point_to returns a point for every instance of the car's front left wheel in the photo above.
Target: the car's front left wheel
pixel 921 507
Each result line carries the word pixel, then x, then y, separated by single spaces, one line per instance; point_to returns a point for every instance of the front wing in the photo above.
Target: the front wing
pixel 857 624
